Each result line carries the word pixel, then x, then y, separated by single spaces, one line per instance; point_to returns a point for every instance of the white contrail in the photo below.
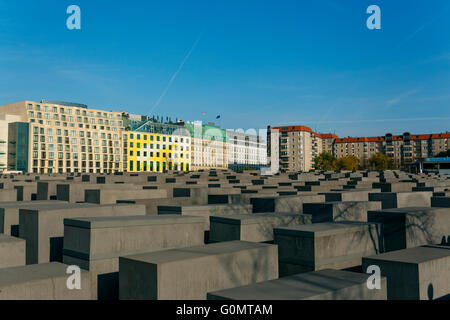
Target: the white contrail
pixel 163 94
pixel 426 24
pixel 373 120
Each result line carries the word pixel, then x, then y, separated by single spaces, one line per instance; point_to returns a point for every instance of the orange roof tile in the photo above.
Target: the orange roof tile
pixel 327 136
pixel 294 128
pixel 361 139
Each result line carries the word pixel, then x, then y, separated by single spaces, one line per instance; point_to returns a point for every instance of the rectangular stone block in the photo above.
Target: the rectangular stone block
pixel 256 227
pixel 12 251
pixel 72 192
pixel 335 245
pixel 395 186
pixel 340 211
pixel 314 188
pixel 110 196
pixel 402 199
pixel 26 192
pixel 46 190
pixel 206 210
pixel 443 202
pixel 8 195
pixel 348 195
pixel 420 273
pixel 325 284
pixel 412 227
pixel 190 273
pixel 219 199
pixel 9 214
pixel 285 204
pixel 43 227
pixel 46 281
pixel 95 244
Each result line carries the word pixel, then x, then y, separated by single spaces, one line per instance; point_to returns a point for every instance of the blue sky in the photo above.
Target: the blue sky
pixel 255 63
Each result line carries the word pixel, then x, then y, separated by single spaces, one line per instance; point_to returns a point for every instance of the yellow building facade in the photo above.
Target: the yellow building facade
pixel 155 152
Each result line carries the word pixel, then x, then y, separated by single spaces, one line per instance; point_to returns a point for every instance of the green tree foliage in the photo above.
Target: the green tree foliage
pixel 380 161
pixel 325 161
pixel 348 163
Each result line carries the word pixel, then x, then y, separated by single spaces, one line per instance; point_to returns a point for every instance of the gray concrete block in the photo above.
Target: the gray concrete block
pixel 325 284
pixel 9 214
pixel 110 196
pixel 420 273
pixel 443 202
pixel 256 227
pixel 395 186
pixel 8 195
pixel 412 227
pixel 190 273
pixel 335 245
pixel 95 244
pixel 26 191
pixel 402 199
pixel 206 210
pixel 71 192
pixel 43 227
pixel 340 211
pixel 46 281
pixel 46 190
pixel 348 195
pixel 284 204
pixel 151 205
pixel 12 251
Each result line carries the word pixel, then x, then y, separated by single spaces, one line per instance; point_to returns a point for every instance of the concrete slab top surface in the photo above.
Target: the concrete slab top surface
pixel 405 192
pixel 20 204
pixel 127 221
pixel 63 206
pixel 252 218
pixel 204 206
pixel 69 206
pixel 351 191
pixel 300 286
pixel 32 272
pixel 323 229
pixel 325 203
pixel 412 210
pixel 8 239
pixel 173 255
pixel 414 255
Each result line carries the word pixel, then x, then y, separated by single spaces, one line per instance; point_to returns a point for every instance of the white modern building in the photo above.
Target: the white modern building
pixel 246 150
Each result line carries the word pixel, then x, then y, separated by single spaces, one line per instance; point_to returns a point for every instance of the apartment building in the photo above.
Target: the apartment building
pixel 403 149
pixel 54 136
pixel 328 140
pixel 298 145
pixel 408 148
pixel 157 147
pixel 246 150
pixel 363 148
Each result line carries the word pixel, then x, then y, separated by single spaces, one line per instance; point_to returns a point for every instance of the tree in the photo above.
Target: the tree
pixel 380 161
pixel 348 163
pixel 325 161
